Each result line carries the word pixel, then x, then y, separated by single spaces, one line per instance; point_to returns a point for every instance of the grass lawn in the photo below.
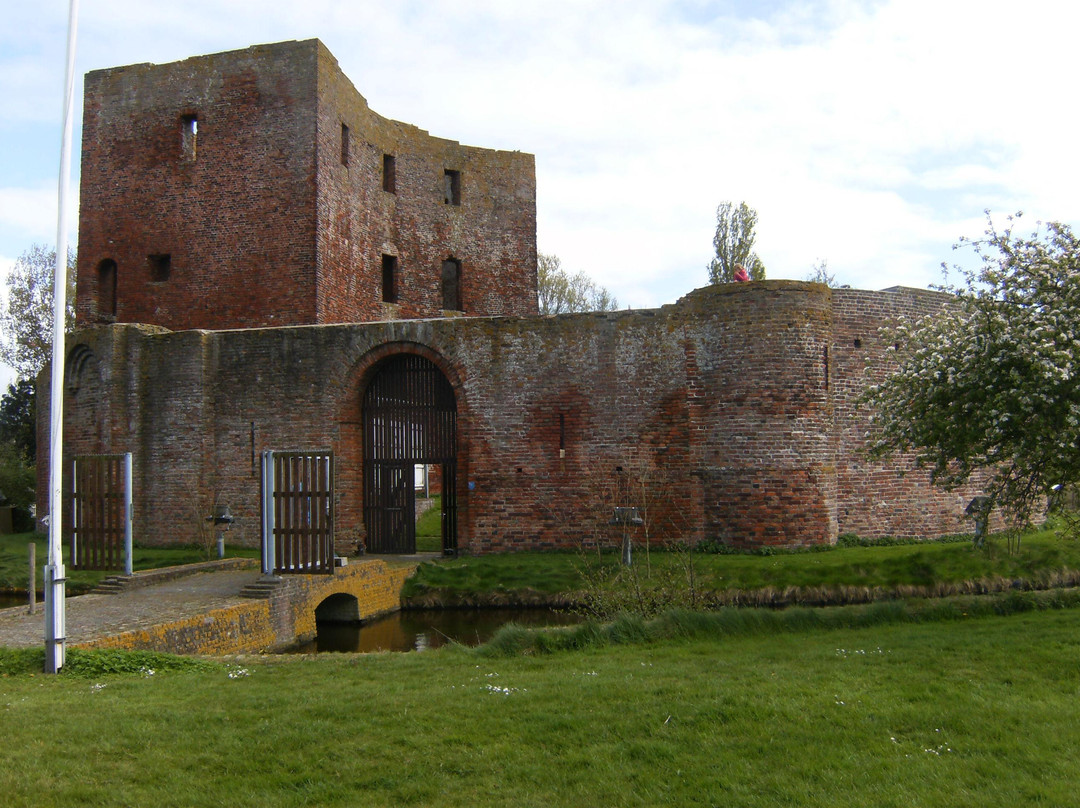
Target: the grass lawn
pixel 429 528
pixel 926 564
pixel 14 561
pixel 965 712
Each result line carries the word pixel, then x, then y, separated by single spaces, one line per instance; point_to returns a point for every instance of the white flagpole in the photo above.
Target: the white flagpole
pixel 55 617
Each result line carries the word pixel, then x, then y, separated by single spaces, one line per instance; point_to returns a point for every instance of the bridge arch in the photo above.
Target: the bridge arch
pixel 340 607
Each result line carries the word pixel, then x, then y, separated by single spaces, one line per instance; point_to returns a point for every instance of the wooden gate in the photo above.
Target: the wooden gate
pixel 298 512
pixel 410 418
pixel 101 513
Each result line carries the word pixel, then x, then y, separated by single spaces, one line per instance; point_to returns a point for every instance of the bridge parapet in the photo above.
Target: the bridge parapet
pixel 274 614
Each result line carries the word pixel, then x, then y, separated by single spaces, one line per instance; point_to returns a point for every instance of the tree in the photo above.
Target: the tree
pixel 26 323
pixel 18 418
pixel 734 244
pixel 820 274
pixel 559 292
pixel 992 383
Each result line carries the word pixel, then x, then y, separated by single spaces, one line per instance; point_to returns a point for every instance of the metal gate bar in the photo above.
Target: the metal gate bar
pixel 298 512
pixel 101 513
pixel 410 418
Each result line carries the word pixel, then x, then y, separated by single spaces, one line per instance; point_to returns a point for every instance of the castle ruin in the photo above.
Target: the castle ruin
pixel 265 263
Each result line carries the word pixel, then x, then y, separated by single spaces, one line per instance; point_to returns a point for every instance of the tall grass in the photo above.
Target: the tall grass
pixel 679 624
pixel 837 575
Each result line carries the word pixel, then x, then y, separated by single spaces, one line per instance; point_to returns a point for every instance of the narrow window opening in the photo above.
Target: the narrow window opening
pixel 106 302
pixel 389 173
pixel 344 145
pixel 160 267
pixel 189 136
pixel 562 435
pixel 389 279
pixel 451 285
pixel 452 187
pixel 858 342
pixel 826 357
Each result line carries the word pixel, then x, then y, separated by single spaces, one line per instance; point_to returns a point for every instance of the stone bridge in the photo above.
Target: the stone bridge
pixel 229 610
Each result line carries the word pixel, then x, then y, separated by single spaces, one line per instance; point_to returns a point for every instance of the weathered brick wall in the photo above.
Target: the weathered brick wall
pixel 237 219
pixel 881 499
pixel 264 220
pixel 492 232
pixel 728 415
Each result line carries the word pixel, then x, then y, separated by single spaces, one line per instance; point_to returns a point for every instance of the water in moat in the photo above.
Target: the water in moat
pixel 7 600
pixel 420 630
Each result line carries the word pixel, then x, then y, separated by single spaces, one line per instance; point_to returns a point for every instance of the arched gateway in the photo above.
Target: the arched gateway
pixel 410 418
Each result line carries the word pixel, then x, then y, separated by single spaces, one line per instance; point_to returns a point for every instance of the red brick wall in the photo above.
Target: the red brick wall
pixel 728 416
pixel 877 499
pixel 264 225
pixel 238 220
pixel 492 232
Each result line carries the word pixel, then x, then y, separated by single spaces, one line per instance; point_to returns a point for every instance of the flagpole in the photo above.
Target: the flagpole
pixel 55 613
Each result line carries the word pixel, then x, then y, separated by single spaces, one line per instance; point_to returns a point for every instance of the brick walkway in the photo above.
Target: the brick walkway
pixel 91 617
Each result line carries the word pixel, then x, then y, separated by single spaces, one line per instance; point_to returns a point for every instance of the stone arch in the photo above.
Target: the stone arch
pixel 340 607
pixel 351 449
pixel 85 402
pixel 409 416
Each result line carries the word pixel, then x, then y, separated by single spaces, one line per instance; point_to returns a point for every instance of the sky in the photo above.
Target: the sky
pixel 868 134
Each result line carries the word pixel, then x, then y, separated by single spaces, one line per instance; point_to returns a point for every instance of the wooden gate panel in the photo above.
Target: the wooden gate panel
pixel 100 499
pixel 299 513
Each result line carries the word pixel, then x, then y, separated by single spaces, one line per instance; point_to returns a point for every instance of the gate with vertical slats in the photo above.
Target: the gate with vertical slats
pixel 298 512
pixel 410 418
pixel 101 513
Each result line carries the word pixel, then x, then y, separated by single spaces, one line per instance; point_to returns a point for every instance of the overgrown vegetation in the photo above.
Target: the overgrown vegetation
pixel 989 388
pixel 87 664
pixel 676 578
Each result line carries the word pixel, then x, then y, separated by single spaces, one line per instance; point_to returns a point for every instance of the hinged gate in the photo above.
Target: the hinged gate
pixel 101 512
pixel 298 512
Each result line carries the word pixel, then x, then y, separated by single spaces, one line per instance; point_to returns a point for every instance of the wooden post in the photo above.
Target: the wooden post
pixel 32 589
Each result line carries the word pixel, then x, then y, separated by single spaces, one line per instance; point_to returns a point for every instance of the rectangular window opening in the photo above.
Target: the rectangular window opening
pixel 389 279
pixel 189 136
pixel 451 285
pixel 389 173
pixel 452 187
pixel 344 145
pixel 107 287
pixel 160 267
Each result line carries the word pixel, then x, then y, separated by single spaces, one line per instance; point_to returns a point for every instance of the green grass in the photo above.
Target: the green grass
pixel 928 564
pixel 14 563
pixel 961 712
pixel 429 528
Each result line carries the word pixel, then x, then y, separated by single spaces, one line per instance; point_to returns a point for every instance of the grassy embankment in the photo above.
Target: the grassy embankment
pixel 963 711
pixel 826 575
pixel 15 566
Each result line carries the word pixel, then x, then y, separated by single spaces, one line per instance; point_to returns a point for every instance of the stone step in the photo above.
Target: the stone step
pixel 262 588
pixel 112 585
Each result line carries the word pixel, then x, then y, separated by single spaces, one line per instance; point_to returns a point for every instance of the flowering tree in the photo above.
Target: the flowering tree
pixel 993 383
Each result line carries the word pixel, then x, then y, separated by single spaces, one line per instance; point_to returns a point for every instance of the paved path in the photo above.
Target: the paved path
pixel 91 617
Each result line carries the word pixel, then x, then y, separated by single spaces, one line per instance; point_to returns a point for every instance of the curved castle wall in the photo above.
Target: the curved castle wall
pixel 725 416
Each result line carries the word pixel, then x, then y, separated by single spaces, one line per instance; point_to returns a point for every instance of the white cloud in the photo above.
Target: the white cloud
pixel 870 133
